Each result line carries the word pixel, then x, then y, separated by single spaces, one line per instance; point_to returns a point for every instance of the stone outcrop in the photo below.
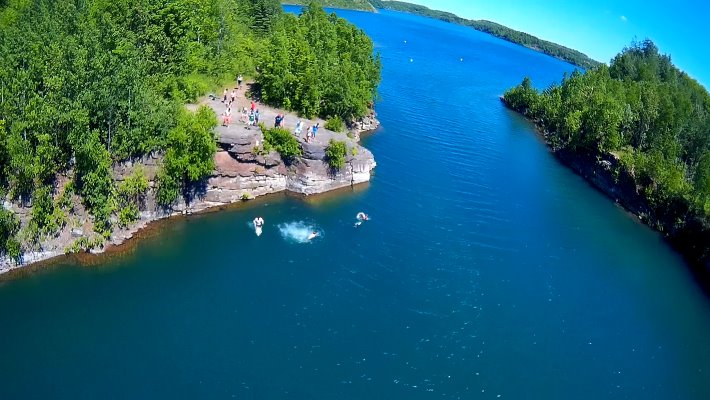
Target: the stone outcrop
pixel 241 172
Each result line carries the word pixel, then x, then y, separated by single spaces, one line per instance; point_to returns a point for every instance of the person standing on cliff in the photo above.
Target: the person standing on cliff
pixel 225 96
pixel 227 116
pixel 256 117
pixel 239 81
pixel 315 130
pixel 234 96
pixel 299 128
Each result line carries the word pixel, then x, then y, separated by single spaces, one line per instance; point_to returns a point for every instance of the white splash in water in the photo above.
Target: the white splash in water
pixel 298 231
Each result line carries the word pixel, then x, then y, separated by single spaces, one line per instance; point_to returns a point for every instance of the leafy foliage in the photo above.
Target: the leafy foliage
pixel 94 181
pixel 262 14
pixel 190 154
pixel 363 5
pixel 319 64
pixel 644 110
pixel 283 142
pixel 335 154
pixel 131 197
pixel 85 84
pixel 47 218
pixel 335 124
pixel 9 226
pixel 84 244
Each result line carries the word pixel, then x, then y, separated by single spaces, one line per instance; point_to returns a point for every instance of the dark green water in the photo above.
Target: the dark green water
pixel 488 270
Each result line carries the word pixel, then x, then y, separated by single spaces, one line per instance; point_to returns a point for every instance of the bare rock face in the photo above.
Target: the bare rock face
pixel 365 124
pixel 239 174
pixel 149 163
pixel 313 151
pixel 312 176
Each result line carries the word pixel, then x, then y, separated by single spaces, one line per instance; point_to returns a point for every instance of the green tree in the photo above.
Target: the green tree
pixel 9 226
pixel 335 154
pixel 283 142
pixel 189 157
pixel 130 196
pixel 319 64
pixel 642 108
pixel 94 181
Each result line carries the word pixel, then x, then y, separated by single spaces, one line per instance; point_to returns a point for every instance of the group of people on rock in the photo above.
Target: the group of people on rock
pixel 311 131
pixel 250 116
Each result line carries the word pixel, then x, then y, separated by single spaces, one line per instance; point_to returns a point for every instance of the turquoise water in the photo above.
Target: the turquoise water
pixel 487 270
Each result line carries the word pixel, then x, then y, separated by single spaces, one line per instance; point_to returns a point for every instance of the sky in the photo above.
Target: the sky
pixel 602 28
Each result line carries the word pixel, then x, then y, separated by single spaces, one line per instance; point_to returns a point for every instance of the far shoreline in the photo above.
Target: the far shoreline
pixel 603 181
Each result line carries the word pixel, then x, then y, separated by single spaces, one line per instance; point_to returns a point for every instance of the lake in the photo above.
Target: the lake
pixel 488 270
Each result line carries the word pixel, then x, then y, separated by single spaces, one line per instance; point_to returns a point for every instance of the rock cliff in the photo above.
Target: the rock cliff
pixel 240 174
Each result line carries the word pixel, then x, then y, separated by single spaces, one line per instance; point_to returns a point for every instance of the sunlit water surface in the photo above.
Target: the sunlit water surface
pixel 488 270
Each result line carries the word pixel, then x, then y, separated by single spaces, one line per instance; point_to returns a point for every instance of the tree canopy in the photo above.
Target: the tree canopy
pixel 85 84
pixel 643 110
pixel 319 64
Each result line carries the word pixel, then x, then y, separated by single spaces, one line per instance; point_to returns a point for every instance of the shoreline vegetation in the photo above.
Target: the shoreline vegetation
pixel 638 130
pixel 109 114
pixel 500 31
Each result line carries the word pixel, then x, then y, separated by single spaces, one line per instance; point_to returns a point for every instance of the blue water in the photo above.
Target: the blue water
pixel 488 270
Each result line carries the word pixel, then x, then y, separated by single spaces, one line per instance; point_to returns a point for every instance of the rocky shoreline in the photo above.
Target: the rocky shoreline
pixel 240 175
pixel 605 173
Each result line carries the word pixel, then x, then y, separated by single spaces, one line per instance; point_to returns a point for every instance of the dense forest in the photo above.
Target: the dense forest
pixel 553 49
pixel 362 5
pixel 641 110
pixel 88 83
pixel 304 66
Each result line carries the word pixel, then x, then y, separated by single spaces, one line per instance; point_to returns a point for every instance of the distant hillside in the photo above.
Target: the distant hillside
pixel 552 49
pixel 363 5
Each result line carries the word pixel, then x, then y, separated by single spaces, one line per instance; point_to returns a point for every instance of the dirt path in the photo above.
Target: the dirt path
pixel 238 129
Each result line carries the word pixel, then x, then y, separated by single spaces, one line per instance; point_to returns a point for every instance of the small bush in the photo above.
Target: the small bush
pixel 245 196
pixel 354 151
pixel 84 244
pixel 194 86
pixel 9 227
pixel 283 142
pixel 128 215
pixel 131 197
pixel 335 124
pixel 335 154
pixel 65 198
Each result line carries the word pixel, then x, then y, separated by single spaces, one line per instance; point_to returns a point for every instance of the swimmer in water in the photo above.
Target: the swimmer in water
pixel 361 217
pixel 313 235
